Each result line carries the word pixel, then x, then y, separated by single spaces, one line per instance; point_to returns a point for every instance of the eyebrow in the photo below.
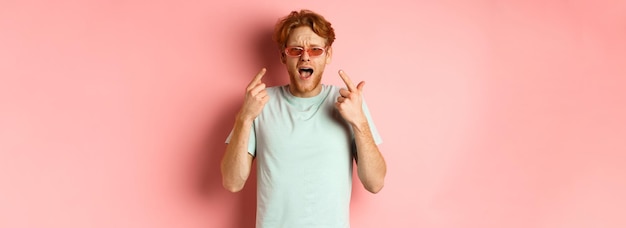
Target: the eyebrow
pixel 313 45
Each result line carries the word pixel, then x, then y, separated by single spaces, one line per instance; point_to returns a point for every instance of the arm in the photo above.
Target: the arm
pixel 371 165
pixel 237 162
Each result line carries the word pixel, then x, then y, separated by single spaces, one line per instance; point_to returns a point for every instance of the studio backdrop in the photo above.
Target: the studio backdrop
pixel 493 113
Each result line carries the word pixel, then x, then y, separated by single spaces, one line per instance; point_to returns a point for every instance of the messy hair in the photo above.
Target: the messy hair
pixel 296 19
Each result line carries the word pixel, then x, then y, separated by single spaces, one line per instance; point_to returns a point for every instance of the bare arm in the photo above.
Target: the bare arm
pixel 371 165
pixel 237 162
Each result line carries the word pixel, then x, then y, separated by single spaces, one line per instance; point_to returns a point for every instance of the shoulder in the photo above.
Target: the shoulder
pixel 332 89
pixel 274 90
pixel 277 94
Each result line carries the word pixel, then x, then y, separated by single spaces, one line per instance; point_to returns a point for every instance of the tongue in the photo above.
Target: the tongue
pixel 305 73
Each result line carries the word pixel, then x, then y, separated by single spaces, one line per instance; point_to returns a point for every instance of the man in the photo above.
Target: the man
pixel 303 135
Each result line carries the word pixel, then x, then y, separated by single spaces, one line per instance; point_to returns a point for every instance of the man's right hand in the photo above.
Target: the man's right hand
pixel 255 99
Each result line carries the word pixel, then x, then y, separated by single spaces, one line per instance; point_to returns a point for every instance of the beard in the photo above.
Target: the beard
pixel 305 87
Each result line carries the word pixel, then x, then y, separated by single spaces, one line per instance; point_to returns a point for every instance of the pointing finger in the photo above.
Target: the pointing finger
pixel 257 78
pixel 347 80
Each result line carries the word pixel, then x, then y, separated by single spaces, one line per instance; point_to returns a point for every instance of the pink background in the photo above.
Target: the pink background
pixel 494 113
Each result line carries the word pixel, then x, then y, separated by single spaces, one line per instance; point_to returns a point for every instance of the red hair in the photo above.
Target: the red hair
pixel 295 19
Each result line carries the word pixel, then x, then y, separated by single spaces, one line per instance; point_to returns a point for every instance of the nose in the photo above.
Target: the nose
pixel 305 56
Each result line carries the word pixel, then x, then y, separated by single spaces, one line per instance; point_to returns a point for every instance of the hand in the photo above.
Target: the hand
pixel 350 102
pixel 255 99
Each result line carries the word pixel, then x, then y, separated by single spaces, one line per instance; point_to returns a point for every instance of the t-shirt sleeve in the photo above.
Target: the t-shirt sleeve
pixel 251 141
pixel 377 139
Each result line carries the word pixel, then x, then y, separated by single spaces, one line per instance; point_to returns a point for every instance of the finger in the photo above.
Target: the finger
pixel 347 80
pixel 360 86
pixel 257 89
pixel 257 78
pixel 341 99
pixel 262 94
pixel 344 92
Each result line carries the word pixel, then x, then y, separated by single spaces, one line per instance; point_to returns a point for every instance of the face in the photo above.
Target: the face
pixel 305 71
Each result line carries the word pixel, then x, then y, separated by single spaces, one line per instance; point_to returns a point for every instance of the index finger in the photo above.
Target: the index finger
pixel 347 80
pixel 258 77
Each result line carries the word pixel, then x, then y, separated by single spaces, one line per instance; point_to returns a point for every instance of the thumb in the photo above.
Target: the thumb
pixel 360 86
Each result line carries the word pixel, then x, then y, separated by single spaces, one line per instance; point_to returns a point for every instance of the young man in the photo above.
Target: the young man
pixel 303 135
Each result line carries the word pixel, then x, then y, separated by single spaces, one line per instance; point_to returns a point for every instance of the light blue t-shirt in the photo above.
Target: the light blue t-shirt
pixel 304 152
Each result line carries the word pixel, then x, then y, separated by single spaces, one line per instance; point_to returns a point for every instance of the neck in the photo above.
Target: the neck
pixel 304 94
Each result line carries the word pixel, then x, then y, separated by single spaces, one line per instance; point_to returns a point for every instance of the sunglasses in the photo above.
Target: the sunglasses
pixel 298 51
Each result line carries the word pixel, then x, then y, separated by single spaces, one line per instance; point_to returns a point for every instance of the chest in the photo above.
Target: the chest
pixel 299 132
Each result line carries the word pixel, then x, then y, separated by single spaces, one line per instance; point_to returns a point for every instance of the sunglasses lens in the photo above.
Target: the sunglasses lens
pixel 316 51
pixel 298 51
pixel 294 51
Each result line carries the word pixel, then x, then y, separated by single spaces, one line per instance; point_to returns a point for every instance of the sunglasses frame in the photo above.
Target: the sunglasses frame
pixel 308 50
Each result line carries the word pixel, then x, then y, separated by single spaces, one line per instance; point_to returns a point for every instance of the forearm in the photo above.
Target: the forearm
pixel 371 165
pixel 237 162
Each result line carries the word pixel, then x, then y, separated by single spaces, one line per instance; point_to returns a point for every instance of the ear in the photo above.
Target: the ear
pixel 329 55
pixel 282 58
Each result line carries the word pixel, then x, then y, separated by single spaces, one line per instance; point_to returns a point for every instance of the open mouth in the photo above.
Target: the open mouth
pixel 305 72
